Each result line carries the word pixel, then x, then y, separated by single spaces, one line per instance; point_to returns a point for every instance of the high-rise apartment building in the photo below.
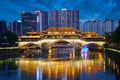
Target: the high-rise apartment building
pixel 36 21
pixel 15 27
pixel 29 22
pixel 3 27
pixel 81 26
pixel 42 20
pixel 88 26
pixel 54 18
pixel 64 18
pixel 108 25
pixel 98 27
pixel 95 26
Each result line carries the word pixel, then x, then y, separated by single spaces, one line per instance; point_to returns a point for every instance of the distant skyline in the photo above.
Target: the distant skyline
pixel 89 9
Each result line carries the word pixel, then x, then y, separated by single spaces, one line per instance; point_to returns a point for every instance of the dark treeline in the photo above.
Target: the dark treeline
pixel 8 39
pixel 113 38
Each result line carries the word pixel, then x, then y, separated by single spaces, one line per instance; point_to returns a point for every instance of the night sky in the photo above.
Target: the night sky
pixel 89 9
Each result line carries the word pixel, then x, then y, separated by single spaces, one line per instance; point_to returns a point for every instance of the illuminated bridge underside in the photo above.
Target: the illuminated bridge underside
pixel 49 42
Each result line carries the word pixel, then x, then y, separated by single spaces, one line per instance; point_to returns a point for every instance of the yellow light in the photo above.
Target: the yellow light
pixel 66 32
pixel 55 32
pixel 49 32
pixel 73 32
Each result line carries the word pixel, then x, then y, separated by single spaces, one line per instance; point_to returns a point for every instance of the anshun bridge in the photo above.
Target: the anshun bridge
pixel 66 38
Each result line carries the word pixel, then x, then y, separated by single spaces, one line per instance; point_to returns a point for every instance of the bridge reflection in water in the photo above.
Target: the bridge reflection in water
pixel 94 67
pixel 69 70
pixel 82 69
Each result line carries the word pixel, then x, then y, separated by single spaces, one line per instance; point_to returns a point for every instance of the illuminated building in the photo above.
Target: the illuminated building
pixel 28 22
pixel 59 42
pixel 36 21
pixel 42 20
pixel 3 27
pixel 15 27
pixel 61 33
pixel 64 18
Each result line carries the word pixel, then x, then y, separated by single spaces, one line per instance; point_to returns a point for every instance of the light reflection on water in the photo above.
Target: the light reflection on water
pixel 96 68
pixel 61 69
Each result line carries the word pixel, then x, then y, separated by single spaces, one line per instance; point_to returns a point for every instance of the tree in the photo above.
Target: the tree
pixel 109 37
pixel 117 35
pixel 0 38
pixel 9 37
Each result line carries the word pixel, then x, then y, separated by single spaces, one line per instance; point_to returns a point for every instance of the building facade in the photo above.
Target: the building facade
pixel 95 26
pixel 88 26
pixel 15 27
pixel 42 20
pixel 3 27
pixel 64 18
pixel 36 21
pixel 81 26
pixel 98 27
pixel 29 22
pixel 108 25
pixel 61 33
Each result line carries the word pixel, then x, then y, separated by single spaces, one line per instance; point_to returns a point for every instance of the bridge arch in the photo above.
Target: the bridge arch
pixel 61 47
pixel 28 45
pixel 93 45
pixel 30 50
pixel 50 45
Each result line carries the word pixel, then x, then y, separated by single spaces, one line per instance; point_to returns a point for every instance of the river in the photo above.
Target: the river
pixel 94 67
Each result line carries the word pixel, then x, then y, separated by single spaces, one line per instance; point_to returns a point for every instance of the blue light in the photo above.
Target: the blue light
pixel 85 49
pixel 84 52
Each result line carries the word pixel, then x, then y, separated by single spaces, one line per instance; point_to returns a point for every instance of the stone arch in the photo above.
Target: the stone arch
pixel 93 45
pixel 28 45
pixel 59 41
pixel 59 48
pixel 30 50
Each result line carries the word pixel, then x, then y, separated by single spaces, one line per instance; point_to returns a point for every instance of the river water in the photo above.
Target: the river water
pixel 94 67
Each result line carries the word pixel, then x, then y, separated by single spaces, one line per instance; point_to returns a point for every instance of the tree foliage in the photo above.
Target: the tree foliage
pixel 8 37
pixel 113 38
pixel 117 34
pixel 109 37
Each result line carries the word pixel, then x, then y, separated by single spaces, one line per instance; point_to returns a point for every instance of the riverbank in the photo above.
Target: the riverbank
pixel 113 54
pixel 8 52
pixel 112 49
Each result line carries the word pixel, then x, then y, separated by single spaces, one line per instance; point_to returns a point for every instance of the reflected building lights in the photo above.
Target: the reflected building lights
pixel 38 73
pixel 59 69
pixel 64 77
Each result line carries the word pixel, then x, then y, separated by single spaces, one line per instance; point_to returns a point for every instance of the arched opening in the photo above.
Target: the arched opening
pixel 91 50
pixel 29 45
pixel 61 49
pixel 92 47
pixel 77 50
pixel 30 50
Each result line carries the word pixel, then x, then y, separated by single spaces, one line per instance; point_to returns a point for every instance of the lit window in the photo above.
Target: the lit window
pixel 73 32
pixel 49 32
pixel 55 32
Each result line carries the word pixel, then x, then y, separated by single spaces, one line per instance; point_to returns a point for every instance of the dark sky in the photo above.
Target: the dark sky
pixel 89 9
